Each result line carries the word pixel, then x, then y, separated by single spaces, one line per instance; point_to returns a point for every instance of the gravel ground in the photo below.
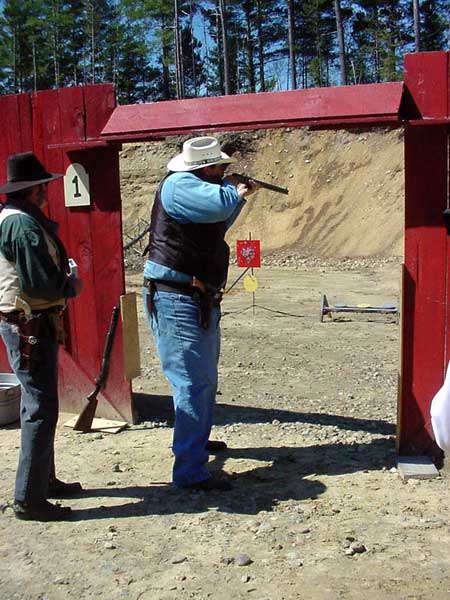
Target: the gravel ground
pixel 318 510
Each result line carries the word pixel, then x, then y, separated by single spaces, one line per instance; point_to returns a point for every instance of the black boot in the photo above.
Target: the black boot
pixel 60 489
pixel 215 446
pixel 41 511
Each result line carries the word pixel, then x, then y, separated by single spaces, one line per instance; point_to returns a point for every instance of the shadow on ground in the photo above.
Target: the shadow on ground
pixel 287 473
pixel 152 407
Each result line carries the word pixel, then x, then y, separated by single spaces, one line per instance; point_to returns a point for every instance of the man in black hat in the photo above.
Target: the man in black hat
pixel 34 286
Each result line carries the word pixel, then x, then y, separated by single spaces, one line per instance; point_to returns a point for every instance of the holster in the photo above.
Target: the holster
pixel 206 302
pixel 150 285
pixel 40 325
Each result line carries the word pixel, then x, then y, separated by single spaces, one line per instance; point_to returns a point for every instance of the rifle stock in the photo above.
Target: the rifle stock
pixel 268 186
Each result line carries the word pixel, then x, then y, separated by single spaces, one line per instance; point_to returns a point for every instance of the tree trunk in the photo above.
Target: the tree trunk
pixel 205 43
pixel 33 50
pixel 249 47
pixel 341 41
pixel 416 25
pixel 191 26
pixel 178 53
pixel 219 54
pixel 55 60
pixel 318 53
pixel 14 52
pixel 291 39
pixel 262 83
pixel 92 36
pixel 165 62
pixel 226 61
pixel 56 42
pixel 377 46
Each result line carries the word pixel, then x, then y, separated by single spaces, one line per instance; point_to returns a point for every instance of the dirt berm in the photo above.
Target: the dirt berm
pixel 345 189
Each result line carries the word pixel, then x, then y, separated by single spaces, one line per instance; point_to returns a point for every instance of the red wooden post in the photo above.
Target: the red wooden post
pixel 425 279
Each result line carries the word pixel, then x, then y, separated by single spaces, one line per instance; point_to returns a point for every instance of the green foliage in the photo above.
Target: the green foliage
pixel 56 43
pixel 435 25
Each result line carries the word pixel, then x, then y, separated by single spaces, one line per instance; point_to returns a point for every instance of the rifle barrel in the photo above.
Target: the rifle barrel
pixel 263 184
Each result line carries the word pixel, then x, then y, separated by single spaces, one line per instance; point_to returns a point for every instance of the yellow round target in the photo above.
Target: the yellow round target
pixel 250 283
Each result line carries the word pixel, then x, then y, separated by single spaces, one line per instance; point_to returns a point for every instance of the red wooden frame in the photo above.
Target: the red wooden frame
pixel 57 125
pixel 84 125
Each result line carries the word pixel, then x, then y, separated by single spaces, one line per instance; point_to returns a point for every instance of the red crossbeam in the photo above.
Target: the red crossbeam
pixel 371 104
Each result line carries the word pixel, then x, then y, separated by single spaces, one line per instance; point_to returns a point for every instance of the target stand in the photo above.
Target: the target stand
pixel 326 309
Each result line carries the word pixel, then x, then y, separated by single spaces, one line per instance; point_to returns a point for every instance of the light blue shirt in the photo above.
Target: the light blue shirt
pixel 189 199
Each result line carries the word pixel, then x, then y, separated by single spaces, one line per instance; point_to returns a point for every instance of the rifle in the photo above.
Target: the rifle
pixel 268 186
pixel 84 421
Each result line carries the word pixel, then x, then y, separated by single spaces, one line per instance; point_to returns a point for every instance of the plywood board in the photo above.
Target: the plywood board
pixel 101 425
pixel 130 333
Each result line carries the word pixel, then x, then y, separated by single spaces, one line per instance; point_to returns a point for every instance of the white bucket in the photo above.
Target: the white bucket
pixel 9 398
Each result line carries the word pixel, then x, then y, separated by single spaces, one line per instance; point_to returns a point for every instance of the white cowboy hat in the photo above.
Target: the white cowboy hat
pixel 197 153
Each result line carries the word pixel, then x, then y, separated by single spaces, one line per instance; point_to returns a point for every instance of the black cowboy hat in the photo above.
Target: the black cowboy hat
pixel 25 171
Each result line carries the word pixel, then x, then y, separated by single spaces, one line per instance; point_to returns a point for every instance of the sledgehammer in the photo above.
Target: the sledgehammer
pixel 84 421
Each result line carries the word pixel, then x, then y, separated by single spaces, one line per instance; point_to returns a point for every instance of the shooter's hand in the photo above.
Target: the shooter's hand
pixel 245 189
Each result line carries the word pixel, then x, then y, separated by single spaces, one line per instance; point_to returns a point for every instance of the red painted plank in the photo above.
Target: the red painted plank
pixel 15 136
pixel 426 77
pixel 424 292
pixel 376 102
pixel 100 102
pixel 25 122
pixel 85 348
pixel 47 126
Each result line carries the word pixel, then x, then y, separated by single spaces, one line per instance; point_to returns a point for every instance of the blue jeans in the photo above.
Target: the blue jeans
pixel 188 355
pixel 38 415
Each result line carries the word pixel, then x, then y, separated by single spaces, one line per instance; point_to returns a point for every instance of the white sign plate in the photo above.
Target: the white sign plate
pixel 76 186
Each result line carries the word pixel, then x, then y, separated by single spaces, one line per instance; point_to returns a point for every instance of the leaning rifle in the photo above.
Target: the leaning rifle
pixel 268 186
pixel 86 417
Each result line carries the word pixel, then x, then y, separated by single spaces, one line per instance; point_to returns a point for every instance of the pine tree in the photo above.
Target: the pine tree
pixel 394 38
pixel 73 43
pixel 317 41
pixel 16 18
pixel 6 58
pixel 435 24
pixel 243 47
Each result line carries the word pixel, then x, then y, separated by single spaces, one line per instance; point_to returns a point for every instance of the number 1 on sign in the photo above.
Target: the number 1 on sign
pixel 77 191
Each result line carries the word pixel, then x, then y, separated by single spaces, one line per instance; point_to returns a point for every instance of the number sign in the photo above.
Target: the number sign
pixel 76 186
